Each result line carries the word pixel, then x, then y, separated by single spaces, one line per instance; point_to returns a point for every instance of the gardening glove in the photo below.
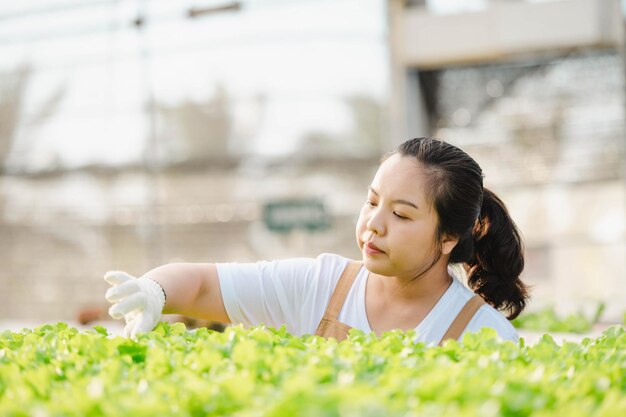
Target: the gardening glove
pixel 139 301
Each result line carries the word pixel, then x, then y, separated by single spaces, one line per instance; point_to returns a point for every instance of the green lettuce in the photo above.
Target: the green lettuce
pixel 56 370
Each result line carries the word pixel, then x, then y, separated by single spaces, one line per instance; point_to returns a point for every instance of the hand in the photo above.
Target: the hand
pixel 139 301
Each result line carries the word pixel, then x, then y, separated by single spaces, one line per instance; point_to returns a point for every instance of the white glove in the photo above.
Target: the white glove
pixel 139 301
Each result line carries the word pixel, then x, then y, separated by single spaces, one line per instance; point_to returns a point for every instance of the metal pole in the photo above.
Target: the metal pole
pixel 153 220
pixel 622 50
pixel 201 11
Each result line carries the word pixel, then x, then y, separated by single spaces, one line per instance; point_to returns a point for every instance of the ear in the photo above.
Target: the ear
pixel 448 243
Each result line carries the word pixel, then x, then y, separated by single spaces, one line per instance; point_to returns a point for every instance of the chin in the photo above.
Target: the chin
pixel 376 267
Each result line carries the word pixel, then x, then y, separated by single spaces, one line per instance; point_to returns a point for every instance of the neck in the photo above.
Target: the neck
pixel 412 287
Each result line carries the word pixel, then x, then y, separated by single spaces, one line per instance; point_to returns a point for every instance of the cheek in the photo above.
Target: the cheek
pixel 414 240
pixel 424 241
pixel 360 226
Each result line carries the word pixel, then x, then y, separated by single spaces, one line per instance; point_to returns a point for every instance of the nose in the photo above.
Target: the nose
pixel 375 223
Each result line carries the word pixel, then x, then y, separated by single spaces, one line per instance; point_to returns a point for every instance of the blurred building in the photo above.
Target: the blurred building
pixel 535 91
pixel 138 133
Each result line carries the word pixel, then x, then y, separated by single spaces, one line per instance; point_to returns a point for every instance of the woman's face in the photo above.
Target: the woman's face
pixel 396 231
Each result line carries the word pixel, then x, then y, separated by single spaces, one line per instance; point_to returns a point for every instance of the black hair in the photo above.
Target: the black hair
pixel 489 243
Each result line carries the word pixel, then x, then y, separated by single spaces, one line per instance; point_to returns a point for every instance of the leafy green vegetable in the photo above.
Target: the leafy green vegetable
pixel 547 320
pixel 55 370
pixel 101 330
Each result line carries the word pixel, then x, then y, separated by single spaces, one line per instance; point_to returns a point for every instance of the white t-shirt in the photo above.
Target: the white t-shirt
pixel 296 292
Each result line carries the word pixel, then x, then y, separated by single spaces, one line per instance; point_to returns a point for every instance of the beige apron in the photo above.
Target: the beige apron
pixel 331 327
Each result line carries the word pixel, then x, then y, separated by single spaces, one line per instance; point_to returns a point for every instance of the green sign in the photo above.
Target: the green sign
pixel 283 216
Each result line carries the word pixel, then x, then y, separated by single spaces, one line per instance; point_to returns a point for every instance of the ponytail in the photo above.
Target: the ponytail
pixel 498 259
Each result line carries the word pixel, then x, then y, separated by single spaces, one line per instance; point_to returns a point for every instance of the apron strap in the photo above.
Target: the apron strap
pixel 463 318
pixel 341 290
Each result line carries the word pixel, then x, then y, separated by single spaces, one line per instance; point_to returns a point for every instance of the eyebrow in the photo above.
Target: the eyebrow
pixel 399 201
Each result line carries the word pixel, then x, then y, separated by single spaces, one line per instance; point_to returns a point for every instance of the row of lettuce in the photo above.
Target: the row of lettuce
pixel 548 320
pixel 56 370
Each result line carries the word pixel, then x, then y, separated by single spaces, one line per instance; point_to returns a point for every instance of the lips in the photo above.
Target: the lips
pixel 371 248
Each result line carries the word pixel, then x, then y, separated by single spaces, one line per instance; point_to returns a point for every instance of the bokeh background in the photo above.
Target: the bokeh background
pixel 136 133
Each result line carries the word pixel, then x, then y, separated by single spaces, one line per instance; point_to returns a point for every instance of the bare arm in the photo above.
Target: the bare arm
pixel 192 289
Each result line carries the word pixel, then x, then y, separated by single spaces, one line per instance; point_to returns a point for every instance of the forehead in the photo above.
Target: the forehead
pixel 401 175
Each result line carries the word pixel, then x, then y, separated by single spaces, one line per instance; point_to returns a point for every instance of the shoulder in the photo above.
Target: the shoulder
pixel 487 316
pixel 324 265
pixel 327 268
pixel 332 261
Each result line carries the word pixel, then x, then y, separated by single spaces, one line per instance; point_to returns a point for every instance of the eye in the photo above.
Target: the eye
pixel 400 216
pixel 370 203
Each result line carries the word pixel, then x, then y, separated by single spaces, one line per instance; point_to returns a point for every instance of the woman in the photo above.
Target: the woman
pixel 426 209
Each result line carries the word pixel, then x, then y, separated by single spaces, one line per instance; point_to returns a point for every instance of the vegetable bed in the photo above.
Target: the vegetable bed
pixel 56 370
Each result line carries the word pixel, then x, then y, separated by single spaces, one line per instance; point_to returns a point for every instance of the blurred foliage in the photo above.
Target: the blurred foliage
pixel 369 122
pixel 196 130
pixel 13 117
pixel 365 138
pixel 547 320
